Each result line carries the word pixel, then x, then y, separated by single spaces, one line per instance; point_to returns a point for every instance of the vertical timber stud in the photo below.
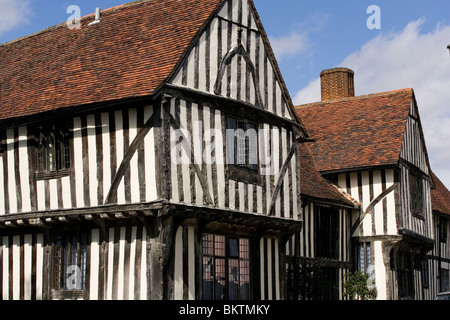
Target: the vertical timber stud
pixel 282 262
pixel 48 269
pixel 255 260
pixel 162 151
pixel 103 258
pixel 200 225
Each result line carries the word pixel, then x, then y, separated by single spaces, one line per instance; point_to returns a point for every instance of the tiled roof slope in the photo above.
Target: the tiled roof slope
pixel 313 184
pixel 130 53
pixel 357 132
pixel 440 196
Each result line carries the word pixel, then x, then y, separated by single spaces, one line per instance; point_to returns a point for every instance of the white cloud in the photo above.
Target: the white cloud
pixel 407 59
pixel 13 13
pixel 289 45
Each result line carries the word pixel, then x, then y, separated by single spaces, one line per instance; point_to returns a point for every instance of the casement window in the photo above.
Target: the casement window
pixel 326 232
pixel 69 264
pixel 226 268
pixel 53 148
pixel 363 257
pixel 405 275
pixel 242 143
pixel 416 194
pixel 443 229
pixel 425 273
pixel 445 283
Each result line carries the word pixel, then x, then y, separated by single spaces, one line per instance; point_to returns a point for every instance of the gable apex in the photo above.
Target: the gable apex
pixel 232 58
pixel 414 149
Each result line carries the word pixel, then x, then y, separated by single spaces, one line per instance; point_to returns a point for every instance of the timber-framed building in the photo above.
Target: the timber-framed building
pixel 153 152
pixel 150 155
pixel 372 148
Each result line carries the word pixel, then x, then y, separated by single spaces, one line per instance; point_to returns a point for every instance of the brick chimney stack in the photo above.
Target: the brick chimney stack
pixel 337 83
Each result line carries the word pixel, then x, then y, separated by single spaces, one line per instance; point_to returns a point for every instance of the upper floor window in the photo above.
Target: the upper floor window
pixel 443 227
pixel 242 143
pixel 416 194
pixel 53 148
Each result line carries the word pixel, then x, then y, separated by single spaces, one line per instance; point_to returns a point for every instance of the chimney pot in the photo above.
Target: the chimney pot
pixel 97 13
pixel 337 83
pixel 97 16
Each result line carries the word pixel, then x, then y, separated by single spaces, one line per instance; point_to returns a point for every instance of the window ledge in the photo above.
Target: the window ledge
pixel 46 175
pixel 420 216
pixel 68 294
pixel 243 174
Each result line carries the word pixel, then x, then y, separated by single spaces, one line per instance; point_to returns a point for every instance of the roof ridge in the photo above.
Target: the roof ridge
pixel 82 19
pixel 365 96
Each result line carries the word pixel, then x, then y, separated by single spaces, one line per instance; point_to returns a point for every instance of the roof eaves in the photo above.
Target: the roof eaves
pixel 352 200
pixel 354 169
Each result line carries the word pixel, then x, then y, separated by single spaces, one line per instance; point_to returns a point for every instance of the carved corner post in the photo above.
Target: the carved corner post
pixel 389 260
pixel 160 257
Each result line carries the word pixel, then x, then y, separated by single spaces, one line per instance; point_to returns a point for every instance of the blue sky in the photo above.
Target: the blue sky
pixel 409 49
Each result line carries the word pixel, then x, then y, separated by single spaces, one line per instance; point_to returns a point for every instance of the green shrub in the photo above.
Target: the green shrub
pixel 356 287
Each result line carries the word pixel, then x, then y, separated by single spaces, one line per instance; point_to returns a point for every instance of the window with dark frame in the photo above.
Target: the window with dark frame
pixel 53 148
pixel 363 257
pixel 70 262
pixel 326 232
pixel 445 280
pixel 226 267
pixel 242 143
pixel 425 273
pixel 416 194
pixel 405 275
pixel 443 230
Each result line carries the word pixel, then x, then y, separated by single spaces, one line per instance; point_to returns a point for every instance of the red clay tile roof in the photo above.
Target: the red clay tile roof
pixel 357 132
pixel 130 53
pixel 440 196
pixel 313 185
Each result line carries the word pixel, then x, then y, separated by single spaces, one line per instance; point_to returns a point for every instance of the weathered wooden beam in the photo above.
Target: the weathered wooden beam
pixel 21 222
pixel 105 216
pixel 149 213
pixel 50 220
pixel 10 223
pixel 36 222
pixel 132 214
pixel 160 255
pixel 149 209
